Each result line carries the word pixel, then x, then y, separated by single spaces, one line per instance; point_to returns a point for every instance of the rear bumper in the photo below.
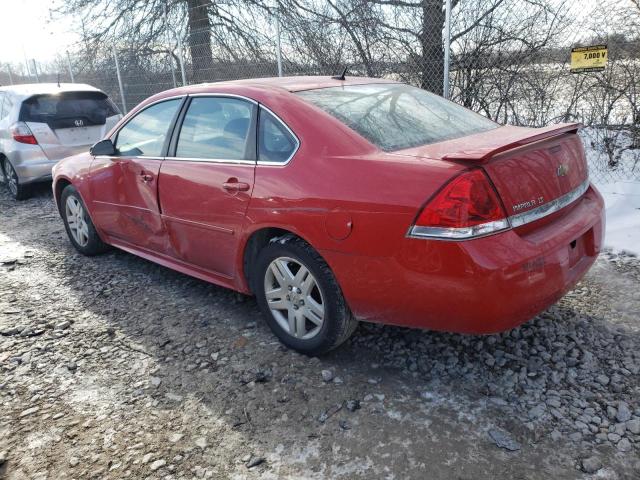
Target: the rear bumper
pixel 479 286
pixel 31 164
pixel 35 170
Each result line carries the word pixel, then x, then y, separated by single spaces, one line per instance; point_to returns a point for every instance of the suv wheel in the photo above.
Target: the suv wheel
pixel 17 191
pixel 300 297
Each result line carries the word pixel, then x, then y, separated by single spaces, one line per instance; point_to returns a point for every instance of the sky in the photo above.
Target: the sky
pixel 27 30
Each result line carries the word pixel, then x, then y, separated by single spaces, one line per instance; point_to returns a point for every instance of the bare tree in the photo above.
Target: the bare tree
pixel 150 27
pixel 199 25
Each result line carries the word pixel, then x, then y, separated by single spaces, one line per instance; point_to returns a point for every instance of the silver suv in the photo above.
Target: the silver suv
pixel 42 123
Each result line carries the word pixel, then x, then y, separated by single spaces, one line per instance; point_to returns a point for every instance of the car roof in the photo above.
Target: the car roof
pixel 296 84
pixel 291 84
pixel 30 89
pixel 257 87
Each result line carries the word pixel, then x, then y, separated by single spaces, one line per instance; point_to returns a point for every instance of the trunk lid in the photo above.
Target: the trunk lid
pixel 529 167
pixel 69 123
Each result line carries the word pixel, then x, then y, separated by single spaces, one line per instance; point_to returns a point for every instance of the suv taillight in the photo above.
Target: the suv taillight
pixel 467 207
pixel 22 133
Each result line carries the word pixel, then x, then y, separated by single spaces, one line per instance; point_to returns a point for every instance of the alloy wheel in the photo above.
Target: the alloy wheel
pixel 294 298
pixel 74 213
pixel 11 178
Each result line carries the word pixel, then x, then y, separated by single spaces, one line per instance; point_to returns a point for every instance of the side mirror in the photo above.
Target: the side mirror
pixel 103 147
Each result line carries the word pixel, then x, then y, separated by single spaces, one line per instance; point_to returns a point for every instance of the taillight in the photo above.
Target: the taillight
pixel 467 207
pixel 22 133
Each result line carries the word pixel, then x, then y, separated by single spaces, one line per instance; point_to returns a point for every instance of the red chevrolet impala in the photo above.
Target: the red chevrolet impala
pixel 336 200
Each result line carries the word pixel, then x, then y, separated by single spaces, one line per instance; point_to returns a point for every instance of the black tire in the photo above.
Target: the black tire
pixel 12 182
pixel 338 324
pixel 94 244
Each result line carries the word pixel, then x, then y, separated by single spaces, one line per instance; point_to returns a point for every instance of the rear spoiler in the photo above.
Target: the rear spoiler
pixel 516 138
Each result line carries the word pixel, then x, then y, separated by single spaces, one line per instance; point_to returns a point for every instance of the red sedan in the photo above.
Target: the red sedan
pixel 335 201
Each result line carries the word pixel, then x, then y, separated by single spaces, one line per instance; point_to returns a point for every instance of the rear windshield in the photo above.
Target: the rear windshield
pixel 397 116
pixel 68 109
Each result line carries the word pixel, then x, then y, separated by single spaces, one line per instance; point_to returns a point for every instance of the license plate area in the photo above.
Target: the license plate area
pixel 78 136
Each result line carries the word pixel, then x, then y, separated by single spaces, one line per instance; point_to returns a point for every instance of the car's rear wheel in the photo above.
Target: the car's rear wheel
pixel 17 191
pixel 300 297
pixel 80 228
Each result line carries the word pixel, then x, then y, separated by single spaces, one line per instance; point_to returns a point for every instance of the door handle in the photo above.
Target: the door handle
pixel 233 185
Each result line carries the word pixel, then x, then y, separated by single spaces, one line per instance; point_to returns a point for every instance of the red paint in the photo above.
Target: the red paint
pixel 204 220
pixel 355 204
pixel 124 200
pixel 339 224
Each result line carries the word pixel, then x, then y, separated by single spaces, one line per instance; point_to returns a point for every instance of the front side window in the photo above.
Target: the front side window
pixel 217 128
pixel 275 142
pixel 145 134
pixel 395 116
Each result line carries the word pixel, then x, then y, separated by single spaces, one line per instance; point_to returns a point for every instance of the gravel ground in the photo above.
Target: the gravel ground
pixel 113 367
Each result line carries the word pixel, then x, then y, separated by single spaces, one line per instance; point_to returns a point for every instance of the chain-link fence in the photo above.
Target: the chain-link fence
pixel 507 59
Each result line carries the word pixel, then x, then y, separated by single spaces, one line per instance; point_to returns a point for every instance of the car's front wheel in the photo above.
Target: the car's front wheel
pixel 300 297
pixel 80 228
pixel 17 191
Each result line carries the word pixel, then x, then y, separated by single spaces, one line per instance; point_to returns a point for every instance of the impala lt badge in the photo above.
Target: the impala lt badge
pixel 562 170
pixel 528 204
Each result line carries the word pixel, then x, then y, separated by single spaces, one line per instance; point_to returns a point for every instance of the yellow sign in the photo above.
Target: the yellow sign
pixel 589 59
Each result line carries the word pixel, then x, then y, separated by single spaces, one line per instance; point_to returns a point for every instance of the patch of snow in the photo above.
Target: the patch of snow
pixel 619 185
pixel 622 203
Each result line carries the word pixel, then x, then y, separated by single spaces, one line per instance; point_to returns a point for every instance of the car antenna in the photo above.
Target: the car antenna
pixel 341 76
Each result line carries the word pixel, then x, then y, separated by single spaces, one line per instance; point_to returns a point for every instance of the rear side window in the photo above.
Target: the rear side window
pixel 397 116
pixel 68 109
pixel 217 128
pixel 275 143
pixel 145 134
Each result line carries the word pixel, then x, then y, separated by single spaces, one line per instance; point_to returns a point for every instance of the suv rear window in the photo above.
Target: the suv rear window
pixel 68 109
pixel 395 116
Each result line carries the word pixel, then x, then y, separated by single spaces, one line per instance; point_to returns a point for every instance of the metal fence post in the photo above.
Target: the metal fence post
pixel 35 69
pixel 173 70
pixel 26 63
pixel 124 103
pixel 279 46
pixel 184 77
pixel 10 75
pixel 447 49
pixel 169 46
pixel 70 69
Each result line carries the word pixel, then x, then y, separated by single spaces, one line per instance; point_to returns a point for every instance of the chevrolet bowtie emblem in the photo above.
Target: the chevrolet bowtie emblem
pixel 562 170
